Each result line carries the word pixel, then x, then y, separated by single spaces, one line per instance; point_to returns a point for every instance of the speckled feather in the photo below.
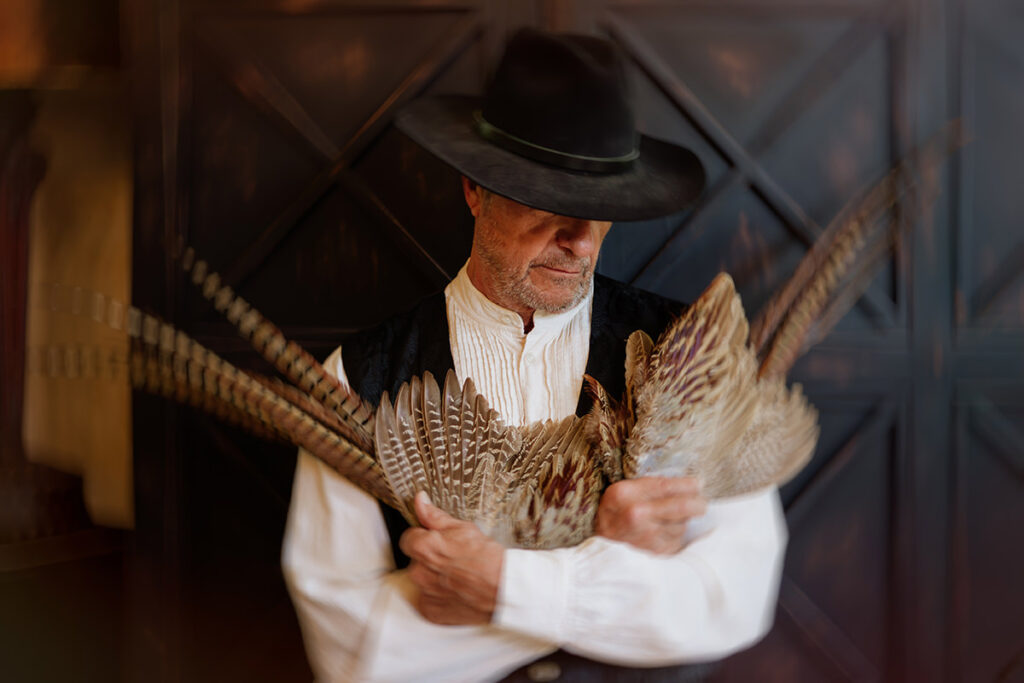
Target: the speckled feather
pixel 531 486
pixel 297 365
pixel 168 362
pixel 697 397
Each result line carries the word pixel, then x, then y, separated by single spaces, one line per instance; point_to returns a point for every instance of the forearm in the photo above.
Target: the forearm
pixel 609 601
pixel 390 641
pixel 334 562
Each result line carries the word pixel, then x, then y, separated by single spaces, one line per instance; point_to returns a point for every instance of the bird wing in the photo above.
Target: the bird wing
pixel 609 422
pixel 775 446
pixel 607 428
pixel 451 445
pixel 559 485
pixel 697 398
pixel 533 487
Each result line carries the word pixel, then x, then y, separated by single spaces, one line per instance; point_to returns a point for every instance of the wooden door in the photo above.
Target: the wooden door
pixel 265 141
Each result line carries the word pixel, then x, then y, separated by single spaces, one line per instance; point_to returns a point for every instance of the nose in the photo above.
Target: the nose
pixel 579 236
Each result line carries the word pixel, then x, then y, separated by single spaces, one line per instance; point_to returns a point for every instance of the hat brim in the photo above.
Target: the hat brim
pixel 665 179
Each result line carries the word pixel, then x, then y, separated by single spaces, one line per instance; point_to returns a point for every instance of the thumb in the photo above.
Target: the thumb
pixel 430 516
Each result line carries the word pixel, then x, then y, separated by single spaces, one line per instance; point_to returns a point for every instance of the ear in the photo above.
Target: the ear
pixel 473 194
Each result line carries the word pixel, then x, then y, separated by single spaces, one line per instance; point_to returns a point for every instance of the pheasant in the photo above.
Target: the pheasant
pixel 708 398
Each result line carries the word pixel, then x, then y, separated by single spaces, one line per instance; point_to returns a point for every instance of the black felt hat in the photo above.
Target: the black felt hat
pixel 555 131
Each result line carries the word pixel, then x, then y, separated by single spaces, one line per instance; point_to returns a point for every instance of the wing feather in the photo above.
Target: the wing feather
pixel 698 396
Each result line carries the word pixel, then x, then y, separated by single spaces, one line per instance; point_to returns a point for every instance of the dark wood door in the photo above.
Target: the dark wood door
pixel 265 141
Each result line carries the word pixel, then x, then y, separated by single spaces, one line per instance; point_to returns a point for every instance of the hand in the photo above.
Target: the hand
pixel 650 513
pixel 455 567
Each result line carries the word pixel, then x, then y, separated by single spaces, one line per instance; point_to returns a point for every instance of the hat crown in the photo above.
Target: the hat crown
pixel 564 93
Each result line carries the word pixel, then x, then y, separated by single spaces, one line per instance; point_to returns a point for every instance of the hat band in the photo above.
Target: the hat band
pixel 573 162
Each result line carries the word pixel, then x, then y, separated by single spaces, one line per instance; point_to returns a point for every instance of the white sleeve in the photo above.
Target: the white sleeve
pixel 611 602
pixel 357 622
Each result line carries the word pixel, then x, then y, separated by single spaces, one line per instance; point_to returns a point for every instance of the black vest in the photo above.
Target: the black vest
pixel 382 358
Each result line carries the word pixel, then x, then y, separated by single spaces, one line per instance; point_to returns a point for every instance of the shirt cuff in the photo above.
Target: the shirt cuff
pixel 533 595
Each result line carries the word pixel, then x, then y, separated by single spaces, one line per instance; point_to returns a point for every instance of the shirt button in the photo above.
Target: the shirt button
pixel 543 672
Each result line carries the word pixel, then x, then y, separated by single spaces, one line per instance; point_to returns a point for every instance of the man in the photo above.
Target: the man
pixel 549 158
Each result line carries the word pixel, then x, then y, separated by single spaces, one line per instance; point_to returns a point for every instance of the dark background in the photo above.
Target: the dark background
pixel 263 137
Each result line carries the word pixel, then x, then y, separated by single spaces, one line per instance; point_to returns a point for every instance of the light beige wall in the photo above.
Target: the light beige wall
pixel 81 236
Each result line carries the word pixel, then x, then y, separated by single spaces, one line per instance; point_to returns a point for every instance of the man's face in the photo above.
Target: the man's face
pixel 528 260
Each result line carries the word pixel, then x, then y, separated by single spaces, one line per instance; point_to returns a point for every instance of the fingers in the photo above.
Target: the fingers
pixel 676 496
pixel 423 545
pixel 455 568
pixel 650 513
pixel 660 487
pixel 432 517
pixel 676 509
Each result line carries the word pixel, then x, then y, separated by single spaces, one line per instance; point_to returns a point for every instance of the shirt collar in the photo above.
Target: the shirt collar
pixel 471 301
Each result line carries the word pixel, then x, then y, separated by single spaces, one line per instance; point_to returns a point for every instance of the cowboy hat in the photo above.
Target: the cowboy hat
pixel 555 130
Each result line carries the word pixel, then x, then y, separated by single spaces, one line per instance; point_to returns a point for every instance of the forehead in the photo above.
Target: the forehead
pixel 510 209
pixel 507 219
pixel 500 202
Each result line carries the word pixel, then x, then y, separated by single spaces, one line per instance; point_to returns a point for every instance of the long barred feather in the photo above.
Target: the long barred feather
pixel 287 356
pixel 421 437
pixel 433 410
pixel 220 377
pixel 170 363
pixel 842 261
pixel 846 230
pixel 410 444
pixel 399 469
pixel 851 286
pixel 468 452
pixel 451 403
pixel 142 369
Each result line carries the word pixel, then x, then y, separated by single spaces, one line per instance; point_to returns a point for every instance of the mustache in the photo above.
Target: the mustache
pixel 581 265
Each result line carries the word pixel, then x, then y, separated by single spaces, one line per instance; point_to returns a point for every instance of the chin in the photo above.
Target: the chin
pixel 556 302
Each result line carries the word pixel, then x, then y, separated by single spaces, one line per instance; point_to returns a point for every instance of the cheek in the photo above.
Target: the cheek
pixel 524 245
pixel 504 249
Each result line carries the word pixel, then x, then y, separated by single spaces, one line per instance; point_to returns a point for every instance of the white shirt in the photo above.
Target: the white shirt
pixel 601 599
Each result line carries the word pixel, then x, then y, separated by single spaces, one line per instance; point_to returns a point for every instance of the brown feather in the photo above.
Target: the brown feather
pixel 821 288
pixel 698 397
pixel 298 366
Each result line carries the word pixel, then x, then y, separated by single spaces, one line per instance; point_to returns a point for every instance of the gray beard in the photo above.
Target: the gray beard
pixel 512 286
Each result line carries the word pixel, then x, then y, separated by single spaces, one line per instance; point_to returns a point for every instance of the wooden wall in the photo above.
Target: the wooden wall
pixel 264 139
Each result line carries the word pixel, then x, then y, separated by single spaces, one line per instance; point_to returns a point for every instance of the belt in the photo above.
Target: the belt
pixel 563 667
